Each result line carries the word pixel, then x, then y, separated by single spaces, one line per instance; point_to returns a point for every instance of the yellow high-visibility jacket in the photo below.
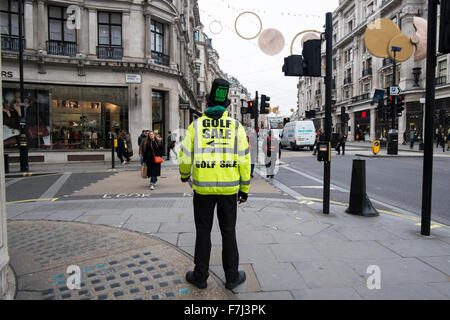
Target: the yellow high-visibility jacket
pixel 217 152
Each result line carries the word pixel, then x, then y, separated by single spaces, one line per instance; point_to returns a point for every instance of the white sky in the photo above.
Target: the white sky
pixel 243 59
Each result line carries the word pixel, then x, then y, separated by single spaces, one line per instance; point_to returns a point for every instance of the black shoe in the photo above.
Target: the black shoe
pixel 191 279
pixel 241 279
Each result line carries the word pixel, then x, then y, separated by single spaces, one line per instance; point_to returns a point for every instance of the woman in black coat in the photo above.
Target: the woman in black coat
pixel 151 149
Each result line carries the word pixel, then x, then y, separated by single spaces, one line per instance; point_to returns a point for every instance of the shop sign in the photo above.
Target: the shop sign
pixel 7 74
pixel 133 78
pixel 185 107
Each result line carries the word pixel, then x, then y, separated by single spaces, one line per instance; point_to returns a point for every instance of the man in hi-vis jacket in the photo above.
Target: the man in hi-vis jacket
pixel 215 148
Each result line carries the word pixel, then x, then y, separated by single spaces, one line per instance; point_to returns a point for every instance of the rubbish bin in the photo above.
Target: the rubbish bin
pixel 392 148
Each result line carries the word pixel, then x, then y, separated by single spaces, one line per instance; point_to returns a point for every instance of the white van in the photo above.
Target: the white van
pixel 299 134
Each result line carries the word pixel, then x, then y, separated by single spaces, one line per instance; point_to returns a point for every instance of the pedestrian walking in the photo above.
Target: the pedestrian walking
pixel 122 149
pixel 272 151
pixel 170 144
pixel 142 139
pixel 411 139
pixel 341 144
pixel 448 140
pixel 129 143
pixel 320 136
pixel 216 147
pixel 152 152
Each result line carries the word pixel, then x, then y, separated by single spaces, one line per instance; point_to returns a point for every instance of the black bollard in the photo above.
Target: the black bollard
pixel 359 201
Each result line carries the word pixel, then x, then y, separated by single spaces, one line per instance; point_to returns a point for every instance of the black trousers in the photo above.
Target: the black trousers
pixel 204 215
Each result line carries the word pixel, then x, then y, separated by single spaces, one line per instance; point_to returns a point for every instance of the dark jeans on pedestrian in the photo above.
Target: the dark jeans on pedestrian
pixel 125 154
pixel 153 180
pixel 204 215
pixel 253 168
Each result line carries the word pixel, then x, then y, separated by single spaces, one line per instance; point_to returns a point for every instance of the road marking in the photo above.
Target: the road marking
pixel 311 187
pixel 391 213
pixel 53 190
pixel 10 183
pixel 33 200
pixel 335 187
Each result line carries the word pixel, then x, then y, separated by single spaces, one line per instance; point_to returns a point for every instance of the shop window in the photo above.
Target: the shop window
pixel 65 117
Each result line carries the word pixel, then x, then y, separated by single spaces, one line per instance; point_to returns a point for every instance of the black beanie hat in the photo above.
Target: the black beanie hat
pixel 219 94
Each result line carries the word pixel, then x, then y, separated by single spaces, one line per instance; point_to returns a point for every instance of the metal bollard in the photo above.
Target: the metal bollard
pixel 6 158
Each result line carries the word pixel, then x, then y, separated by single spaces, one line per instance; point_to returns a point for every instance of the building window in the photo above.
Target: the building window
pixel 197 35
pixel 198 54
pixel 157 43
pixel 442 72
pixel 10 24
pixel 109 35
pixel 65 117
pixel 61 40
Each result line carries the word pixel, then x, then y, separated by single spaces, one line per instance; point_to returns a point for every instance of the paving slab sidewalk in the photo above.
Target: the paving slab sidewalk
pixel 289 249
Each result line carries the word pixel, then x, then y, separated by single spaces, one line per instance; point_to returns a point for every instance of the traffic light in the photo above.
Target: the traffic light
pixel 251 109
pixel 265 106
pixel 400 105
pixel 381 109
pixel 390 109
pixel 310 114
pixel 345 117
pixel 444 33
pixel 293 66
pixel 309 64
pixel 312 58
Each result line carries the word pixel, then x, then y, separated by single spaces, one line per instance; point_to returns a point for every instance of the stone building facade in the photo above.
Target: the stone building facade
pixel 356 73
pixel 93 67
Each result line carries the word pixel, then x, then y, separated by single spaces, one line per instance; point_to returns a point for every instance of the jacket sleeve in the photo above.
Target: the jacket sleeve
pixel 243 160
pixel 186 154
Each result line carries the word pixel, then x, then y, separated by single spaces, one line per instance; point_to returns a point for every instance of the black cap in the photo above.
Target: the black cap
pixel 219 94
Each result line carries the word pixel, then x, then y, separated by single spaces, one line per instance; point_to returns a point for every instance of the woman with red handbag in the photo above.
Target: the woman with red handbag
pixel 153 152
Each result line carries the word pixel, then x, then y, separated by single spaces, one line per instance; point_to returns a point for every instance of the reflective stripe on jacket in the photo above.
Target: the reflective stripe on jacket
pixel 218 151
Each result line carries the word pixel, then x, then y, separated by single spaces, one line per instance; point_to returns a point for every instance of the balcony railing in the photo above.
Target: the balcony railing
pixel 11 43
pixel 161 58
pixel 387 62
pixel 62 48
pixel 367 72
pixel 109 52
pixel 347 80
pixel 441 80
pixel 363 97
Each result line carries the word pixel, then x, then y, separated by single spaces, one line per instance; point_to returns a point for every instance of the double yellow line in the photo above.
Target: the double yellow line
pixel 33 200
pixel 434 225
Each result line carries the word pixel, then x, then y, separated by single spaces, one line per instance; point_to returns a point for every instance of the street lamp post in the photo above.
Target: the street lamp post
pixel 23 143
pixel 393 133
